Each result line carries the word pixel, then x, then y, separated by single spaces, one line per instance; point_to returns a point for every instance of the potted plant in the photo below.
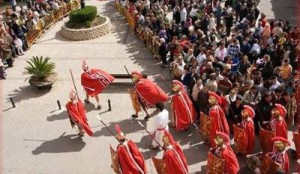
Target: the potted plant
pixel 41 72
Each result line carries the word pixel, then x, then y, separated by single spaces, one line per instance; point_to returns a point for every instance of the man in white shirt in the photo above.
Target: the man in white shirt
pixel 255 47
pixel 160 123
pixel 193 11
pixel 221 52
pixel 183 14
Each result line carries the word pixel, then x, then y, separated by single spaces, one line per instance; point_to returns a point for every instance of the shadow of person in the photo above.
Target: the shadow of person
pixel 189 136
pixel 27 92
pixel 127 126
pixel 58 115
pixel 89 107
pixel 200 149
pixel 151 154
pixel 62 144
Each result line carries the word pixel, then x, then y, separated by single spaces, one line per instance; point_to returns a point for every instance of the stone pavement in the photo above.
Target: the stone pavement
pixel 37 137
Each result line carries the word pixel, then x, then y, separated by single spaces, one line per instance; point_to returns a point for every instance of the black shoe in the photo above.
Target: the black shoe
pixel 99 107
pixel 134 116
pixel 153 148
pixel 86 101
pixel 81 134
pixel 147 117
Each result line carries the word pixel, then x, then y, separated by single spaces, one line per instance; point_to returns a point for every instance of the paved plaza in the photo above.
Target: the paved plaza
pixel 37 137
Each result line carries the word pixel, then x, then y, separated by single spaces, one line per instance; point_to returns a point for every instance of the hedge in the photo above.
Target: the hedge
pixel 86 14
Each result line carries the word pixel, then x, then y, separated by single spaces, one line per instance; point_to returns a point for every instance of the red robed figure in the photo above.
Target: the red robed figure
pixel 250 135
pixel 130 158
pixel 219 122
pixel 282 159
pixel 150 93
pixel 77 116
pixel 224 151
pixel 94 81
pixel 174 158
pixel 184 111
pixel 279 127
pixel 231 162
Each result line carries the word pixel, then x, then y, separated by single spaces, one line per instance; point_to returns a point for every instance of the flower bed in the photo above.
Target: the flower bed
pixel 86 33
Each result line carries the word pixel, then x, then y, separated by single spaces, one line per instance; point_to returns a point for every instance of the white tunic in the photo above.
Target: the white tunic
pixel 160 124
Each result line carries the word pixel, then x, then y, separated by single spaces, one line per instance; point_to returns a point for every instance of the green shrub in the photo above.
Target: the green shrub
pixel 39 67
pixel 88 13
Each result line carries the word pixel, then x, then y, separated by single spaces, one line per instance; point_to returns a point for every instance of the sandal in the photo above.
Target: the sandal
pixel 171 125
pixel 134 116
pixel 86 101
pixel 147 117
pixel 80 134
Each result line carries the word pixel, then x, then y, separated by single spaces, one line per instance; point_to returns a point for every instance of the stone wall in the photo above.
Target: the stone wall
pixel 86 34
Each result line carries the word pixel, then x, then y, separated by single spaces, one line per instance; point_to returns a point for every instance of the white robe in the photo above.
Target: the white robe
pixel 160 124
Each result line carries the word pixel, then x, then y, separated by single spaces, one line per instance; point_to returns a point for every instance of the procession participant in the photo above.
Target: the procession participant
pixel 277 123
pixel 279 157
pixel 296 139
pixel 173 156
pixel 160 123
pixel 145 94
pixel 77 114
pixel 94 81
pixel 219 122
pixel 183 111
pixel 130 159
pixel 224 151
pixel 248 139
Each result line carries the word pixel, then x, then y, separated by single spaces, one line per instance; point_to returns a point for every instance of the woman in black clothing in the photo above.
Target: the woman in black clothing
pixel 235 109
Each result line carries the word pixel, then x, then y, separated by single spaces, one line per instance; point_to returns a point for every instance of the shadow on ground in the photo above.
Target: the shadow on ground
pixel 62 144
pixel 26 93
pixel 127 126
pixel 286 10
pixel 140 54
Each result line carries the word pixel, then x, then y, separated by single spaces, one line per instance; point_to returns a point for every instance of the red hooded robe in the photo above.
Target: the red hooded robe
pixel 279 128
pixel 77 116
pixel 130 158
pixel 231 162
pixel 218 123
pixel 174 158
pixel 95 81
pixel 150 93
pixel 184 111
pixel 248 126
pixel 281 158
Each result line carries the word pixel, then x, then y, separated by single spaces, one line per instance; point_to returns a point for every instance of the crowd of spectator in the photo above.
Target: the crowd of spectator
pixel 227 47
pixel 18 20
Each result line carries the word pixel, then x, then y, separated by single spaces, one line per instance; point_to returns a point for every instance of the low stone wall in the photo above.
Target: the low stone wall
pixel 86 34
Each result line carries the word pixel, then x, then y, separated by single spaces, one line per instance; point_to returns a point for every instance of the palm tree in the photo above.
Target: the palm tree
pixel 39 68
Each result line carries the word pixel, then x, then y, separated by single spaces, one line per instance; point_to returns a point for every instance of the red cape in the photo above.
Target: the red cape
pixel 77 114
pixel 218 123
pixel 285 163
pixel 280 128
pixel 95 81
pixel 175 160
pixel 130 158
pixel 150 93
pixel 250 136
pixel 184 111
pixel 231 162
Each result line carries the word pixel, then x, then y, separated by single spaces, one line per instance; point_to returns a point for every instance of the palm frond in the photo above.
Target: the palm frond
pixel 39 67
